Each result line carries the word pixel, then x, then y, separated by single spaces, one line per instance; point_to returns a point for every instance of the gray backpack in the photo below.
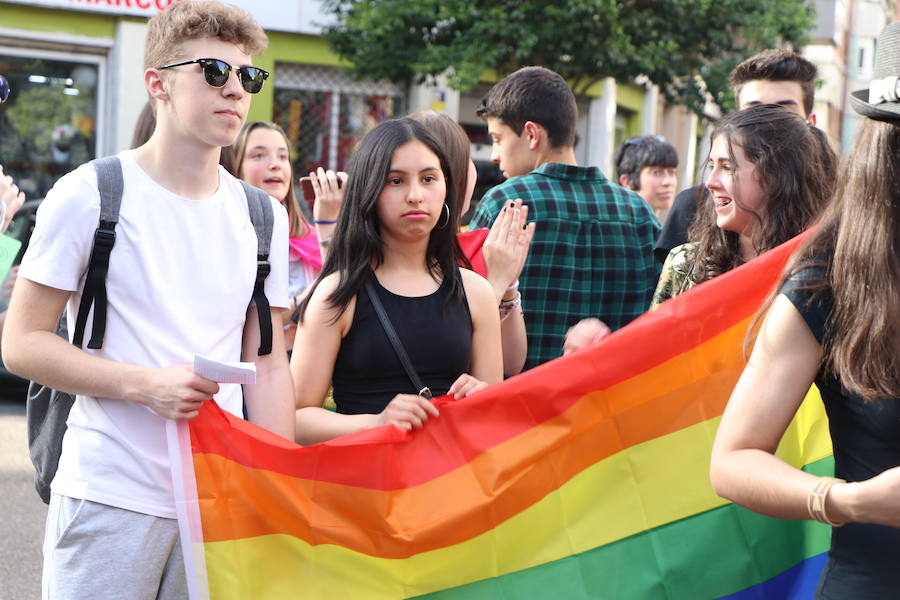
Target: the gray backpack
pixel 47 409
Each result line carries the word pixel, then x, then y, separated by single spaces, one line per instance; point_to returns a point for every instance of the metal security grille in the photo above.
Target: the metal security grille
pixel 325 112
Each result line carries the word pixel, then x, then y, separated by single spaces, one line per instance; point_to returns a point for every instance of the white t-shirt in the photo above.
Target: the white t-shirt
pixel 181 277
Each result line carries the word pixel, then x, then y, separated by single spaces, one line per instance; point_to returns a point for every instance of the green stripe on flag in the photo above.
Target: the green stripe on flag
pixel 706 556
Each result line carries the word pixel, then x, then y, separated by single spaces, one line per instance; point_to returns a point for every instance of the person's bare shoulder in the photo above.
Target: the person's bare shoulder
pixel 320 311
pixel 478 290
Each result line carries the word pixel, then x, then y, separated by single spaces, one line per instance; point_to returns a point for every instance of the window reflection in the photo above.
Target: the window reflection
pixel 48 125
pixel 322 139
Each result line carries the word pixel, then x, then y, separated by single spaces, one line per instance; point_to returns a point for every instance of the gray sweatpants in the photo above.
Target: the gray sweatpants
pixel 101 552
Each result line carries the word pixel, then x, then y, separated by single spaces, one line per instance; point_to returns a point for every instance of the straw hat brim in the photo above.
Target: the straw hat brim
pixel 888 111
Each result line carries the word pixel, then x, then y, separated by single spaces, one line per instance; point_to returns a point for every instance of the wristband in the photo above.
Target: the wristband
pixel 323 222
pixel 815 502
pixel 508 306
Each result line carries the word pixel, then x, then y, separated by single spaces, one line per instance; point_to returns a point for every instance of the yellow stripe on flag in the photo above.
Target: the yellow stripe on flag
pixel 598 506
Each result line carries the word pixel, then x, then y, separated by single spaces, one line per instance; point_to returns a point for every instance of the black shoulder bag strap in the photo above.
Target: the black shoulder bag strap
pixel 263 219
pixel 110 185
pixel 395 340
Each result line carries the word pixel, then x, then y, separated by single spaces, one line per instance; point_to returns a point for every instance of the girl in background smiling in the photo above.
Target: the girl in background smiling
pixel 769 176
pixel 261 156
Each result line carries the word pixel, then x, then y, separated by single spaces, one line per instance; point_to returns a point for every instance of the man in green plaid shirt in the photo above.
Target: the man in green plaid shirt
pixel 592 252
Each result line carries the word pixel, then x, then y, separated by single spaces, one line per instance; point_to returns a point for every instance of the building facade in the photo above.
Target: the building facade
pixel 842 46
pixel 76 73
pixel 75 69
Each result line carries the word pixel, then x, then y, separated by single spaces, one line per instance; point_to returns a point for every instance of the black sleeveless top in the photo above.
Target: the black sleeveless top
pixel 435 331
pixel 864 560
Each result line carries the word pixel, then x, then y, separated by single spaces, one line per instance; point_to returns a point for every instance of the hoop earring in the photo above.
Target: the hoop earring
pixel 447 222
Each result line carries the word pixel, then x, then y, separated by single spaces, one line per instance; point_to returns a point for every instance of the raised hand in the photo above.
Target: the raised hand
pixel 11 200
pixel 506 246
pixel 329 193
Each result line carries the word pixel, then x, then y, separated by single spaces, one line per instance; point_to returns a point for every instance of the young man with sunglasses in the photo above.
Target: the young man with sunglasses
pixel 180 279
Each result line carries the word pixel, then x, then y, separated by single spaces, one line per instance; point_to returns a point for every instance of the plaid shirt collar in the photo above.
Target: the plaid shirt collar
pixel 570 172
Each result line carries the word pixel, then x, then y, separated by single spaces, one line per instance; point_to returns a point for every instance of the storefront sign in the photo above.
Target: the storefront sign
pixel 297 16
pixel 146 8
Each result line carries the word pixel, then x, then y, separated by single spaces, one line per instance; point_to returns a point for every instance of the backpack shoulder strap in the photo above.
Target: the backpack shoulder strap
pixel 369 289
pixel 111 185
pixel 263 218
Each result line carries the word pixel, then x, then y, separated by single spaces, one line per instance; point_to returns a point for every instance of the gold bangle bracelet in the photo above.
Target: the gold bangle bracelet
pixel 815 502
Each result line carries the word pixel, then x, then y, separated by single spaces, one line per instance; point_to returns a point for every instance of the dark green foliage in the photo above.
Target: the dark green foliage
pixel 669 41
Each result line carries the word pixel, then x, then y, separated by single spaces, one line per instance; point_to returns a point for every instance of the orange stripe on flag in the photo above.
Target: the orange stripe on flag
pixel 521 471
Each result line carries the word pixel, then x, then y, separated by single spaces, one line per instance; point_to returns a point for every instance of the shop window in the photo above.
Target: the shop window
pixel 325 113
pixel 48 125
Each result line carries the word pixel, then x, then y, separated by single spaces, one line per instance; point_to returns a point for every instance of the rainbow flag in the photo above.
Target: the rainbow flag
pixel 584 478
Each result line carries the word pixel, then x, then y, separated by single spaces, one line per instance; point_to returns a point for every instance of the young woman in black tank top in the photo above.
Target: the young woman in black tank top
pixel 835 321
pixel 397 229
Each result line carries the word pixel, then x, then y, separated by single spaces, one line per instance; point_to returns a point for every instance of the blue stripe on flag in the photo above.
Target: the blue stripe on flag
pixel 797 583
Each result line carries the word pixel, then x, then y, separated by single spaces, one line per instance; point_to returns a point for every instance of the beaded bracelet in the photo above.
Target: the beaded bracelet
pixel 815 502
pixel 508 306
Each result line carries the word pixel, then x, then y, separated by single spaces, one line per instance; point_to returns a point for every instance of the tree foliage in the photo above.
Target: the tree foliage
pixel 671 42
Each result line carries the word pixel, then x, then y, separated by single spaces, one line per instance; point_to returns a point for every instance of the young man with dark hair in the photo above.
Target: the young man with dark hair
pixel 647 165
pixel 776 77
pixel 592 247
pixel 180 279
pixel 770 77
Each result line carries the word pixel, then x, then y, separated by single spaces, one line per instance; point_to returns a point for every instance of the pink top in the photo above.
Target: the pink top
pixel 307 248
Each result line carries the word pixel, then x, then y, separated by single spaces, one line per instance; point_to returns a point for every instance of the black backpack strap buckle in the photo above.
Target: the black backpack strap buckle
pixel 262 304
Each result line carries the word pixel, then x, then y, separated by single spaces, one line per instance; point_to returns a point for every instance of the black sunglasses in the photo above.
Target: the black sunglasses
pixel 218 71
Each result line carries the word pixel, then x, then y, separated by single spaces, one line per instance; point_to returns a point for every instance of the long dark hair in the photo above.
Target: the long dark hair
pixel 356 246
pixel 453 139
pixel 795 167
pixel 858 244
pixel 455 143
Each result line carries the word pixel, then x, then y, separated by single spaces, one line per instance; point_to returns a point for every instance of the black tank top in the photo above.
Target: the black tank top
pixel 864 557
pixel 437 335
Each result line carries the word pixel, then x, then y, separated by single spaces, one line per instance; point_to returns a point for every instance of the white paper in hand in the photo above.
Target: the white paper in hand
pixel 224 372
